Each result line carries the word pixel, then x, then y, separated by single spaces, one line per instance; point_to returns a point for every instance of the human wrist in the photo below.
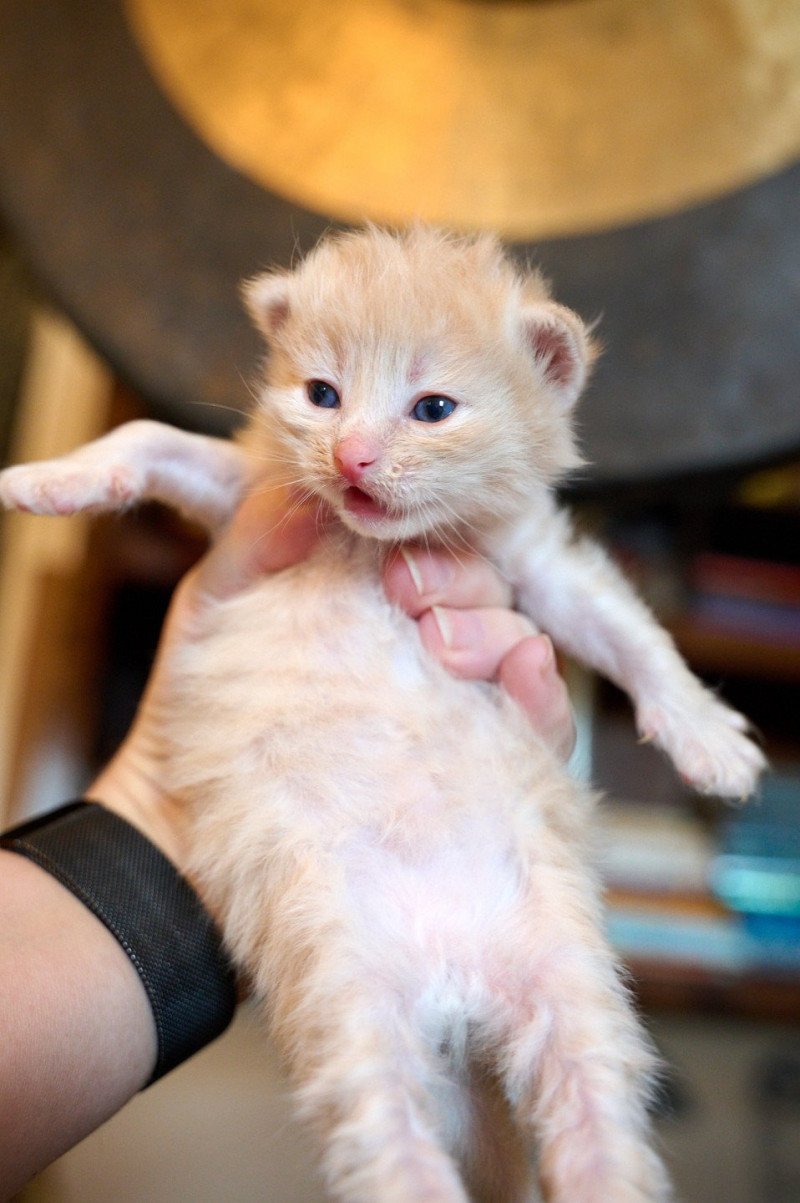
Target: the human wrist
pixel 151 910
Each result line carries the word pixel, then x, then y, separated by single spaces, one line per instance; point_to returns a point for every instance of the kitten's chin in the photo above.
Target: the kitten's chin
pixel 364 515
pixel 389 528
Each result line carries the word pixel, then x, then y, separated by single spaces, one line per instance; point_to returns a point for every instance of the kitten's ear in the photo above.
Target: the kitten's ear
pixel 266 298
pixel 561 346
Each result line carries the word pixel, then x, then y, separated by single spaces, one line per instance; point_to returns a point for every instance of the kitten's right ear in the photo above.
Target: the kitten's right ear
pixel 561 345
pixel 266 298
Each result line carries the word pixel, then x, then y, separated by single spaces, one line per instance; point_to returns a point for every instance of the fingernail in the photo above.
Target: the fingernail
pixel 442 619
pixel 413 568
pixel 549 654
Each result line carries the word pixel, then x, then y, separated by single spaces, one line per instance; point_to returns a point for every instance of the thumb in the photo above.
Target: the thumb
pixel 271 530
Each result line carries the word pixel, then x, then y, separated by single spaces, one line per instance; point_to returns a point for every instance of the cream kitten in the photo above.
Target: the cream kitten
pixel 397 858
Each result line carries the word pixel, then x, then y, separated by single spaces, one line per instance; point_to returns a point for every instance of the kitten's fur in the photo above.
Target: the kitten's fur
pixel 397 858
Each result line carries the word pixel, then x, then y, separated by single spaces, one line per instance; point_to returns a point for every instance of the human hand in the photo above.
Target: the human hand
pixel 463 612
pixel 463 608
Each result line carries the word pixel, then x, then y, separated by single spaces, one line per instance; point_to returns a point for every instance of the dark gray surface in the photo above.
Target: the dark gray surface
pixel 16 303
pixel 142 234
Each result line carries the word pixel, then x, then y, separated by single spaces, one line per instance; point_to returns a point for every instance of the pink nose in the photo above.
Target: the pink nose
pixel 354 456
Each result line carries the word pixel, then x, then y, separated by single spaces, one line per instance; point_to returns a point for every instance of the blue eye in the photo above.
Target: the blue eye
pixel 322 394
pixel 433 409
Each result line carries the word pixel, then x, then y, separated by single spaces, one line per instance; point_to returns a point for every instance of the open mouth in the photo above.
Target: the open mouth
pixel 361 505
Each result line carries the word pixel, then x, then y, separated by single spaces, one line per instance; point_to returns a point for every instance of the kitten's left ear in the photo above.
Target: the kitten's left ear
pixel 266 298
pixel 561 346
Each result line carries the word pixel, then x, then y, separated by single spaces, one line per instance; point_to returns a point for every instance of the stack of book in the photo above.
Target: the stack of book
pixel 724 896
pixel 682 894
pixel 756 599
pixel 756 873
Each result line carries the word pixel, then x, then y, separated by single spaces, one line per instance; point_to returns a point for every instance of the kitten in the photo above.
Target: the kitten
pixel 397 858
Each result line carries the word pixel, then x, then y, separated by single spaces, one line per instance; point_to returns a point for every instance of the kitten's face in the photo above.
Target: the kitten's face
pixel 404 387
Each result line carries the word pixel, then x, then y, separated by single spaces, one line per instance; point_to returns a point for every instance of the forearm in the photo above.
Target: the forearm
pixel 78 1037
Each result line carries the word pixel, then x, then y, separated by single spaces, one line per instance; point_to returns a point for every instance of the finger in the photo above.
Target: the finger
pixel 472 643
pixel 500 645
pixel 529 674
pixel 416 580
pixel 269 531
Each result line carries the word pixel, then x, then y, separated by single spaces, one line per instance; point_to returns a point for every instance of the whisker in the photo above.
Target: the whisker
pixel 251 387
pixel 276 483
pixel 452 531
pixel 283 519
pixel 233 409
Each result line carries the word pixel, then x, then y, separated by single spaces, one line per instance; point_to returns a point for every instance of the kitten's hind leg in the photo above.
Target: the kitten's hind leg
pixel 202 477
pixel 575 1062
pixel 362 1078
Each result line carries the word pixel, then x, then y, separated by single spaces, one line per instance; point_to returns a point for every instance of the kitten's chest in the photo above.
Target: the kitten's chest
pixel 315 652
pixel 313 680
pixel 330 624
pixel 315 717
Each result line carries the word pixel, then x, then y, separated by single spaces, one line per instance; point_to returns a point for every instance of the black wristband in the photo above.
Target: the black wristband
pixel 150 909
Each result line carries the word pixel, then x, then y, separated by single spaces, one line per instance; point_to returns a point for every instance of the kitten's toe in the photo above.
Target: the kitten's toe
pixel 708 745
pixel 727 769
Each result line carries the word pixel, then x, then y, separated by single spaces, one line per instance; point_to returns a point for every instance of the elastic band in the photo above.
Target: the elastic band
pixel 150 909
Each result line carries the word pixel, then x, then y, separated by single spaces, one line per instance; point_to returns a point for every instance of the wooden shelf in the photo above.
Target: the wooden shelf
pixel 711 650
pixel 765 995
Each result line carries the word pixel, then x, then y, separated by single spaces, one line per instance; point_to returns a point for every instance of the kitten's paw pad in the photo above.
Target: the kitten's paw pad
pixel 61 487
pixel 708 745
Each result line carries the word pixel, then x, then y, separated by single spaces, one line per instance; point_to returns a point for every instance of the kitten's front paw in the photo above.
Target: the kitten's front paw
pixel 707 742
pixel 67 486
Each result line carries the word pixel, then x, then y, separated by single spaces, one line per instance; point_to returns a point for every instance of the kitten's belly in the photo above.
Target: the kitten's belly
pixel 313 715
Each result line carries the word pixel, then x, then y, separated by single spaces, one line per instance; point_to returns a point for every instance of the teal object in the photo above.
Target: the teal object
pixel 757 872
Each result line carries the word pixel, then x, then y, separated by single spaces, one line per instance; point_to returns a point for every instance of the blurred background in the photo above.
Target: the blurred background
pixel 153 153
